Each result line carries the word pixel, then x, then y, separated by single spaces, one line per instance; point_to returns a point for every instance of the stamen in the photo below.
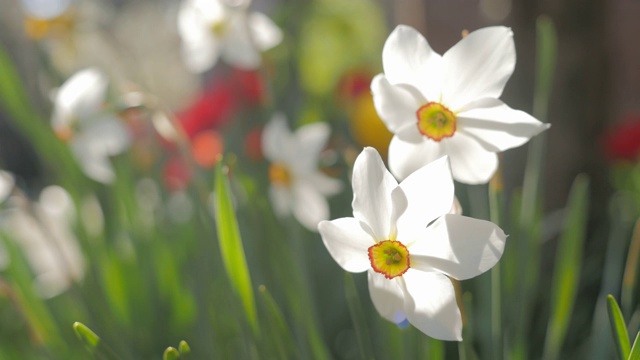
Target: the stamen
pixel 279 174
pixel 390 258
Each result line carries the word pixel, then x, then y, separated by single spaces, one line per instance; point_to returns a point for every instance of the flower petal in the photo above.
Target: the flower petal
pixel 80 97
pixel 478 66
pixel 406 157
pixel 459 246
pixel 310 140
pixel 237 46
pixel 470 162
pixel 200 50
pixel 496 126
pixel 326 185
pixel 431 305
pixel 387 296
pixel 309 206
pixel 266 34
pixel 429 192
pixel 277 139
pixel 372 186
pixel 347 242
pixel 408 59
pixel 6 185
pixel 395 105
pixel 280 200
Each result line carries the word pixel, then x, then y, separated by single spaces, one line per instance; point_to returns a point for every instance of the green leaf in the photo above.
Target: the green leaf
pixel 566 276
pixel 357 317
pixel 618 328
pixel 280 336
pixel 230 243
pixel 635 350
pixel 171 354
pixel 93 343
pixel 546 52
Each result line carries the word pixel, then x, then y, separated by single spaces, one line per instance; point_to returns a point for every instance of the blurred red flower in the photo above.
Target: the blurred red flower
pixel 622 142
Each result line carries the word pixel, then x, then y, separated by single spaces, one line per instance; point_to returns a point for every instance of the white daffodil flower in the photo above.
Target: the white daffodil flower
pixel 214 28
pixel 92 134
pixel 409 244
pixel 448 105
pixel 44 233
pixel 297 186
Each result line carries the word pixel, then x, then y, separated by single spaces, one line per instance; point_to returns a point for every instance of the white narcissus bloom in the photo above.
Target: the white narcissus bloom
pixel 44 232
pixel 92 134
pixel 297 186
pixel 409 244
pixel 213 28
pixel 448 105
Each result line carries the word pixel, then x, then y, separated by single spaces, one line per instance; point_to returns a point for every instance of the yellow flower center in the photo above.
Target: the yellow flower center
pixel 218 28
pixel 279 174
pixel 435 121
pixel 389 258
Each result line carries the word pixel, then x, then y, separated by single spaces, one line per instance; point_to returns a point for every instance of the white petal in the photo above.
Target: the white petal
pixel 395 105
pixel 372 187
pixel 326 185
pixel 478 66
pixel 277 139
pixel 200 50
pixel 237 46
pixel 200 55
pixel 431 305
pixel 309 206
pixel 80 97
pixel 6 184
pixel 281 200
pixel 429 193
pixel 407 58
pixel 310 140
pixel 470 162
pixel 347 242
pixel 496 126
pixel 266 34
pixel 95 166
pixel 459 246
pixel 407 157
pixel 106 136
pixel 387 296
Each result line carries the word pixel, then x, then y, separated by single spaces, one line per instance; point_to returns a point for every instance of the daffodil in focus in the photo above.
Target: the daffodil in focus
pixel 297 185
pixel 448 105
pixel 92 133
pixel 211 29
pixel 44 232
pixel 410 245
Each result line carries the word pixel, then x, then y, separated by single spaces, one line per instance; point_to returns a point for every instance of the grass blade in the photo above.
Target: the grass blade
pixel 635 350
pixel 566 274
pixel 231 248
pixel 357 317
pixel 618 328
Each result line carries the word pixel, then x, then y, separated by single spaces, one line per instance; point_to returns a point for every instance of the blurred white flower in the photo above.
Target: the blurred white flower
pixel 409 244
pixel 214 28
pixel 93 134
pixel 448 105
pixel 6 185
pixel 297 186
pixel 44 233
